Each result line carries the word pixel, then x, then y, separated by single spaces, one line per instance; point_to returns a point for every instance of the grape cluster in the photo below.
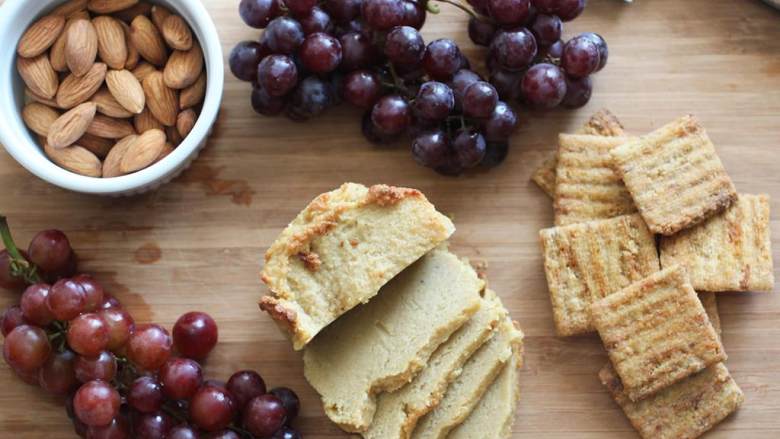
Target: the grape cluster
pixel 121 379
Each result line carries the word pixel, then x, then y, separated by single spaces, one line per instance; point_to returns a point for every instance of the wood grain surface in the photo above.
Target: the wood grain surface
pixel 197 243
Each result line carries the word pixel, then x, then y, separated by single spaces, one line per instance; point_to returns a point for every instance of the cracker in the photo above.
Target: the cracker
pixel 674 176
pixel 710 303
pixel 587 261
pixel 728 252
pixel 587 187
pixel 602 123
pixel 656 332
pixel 682 411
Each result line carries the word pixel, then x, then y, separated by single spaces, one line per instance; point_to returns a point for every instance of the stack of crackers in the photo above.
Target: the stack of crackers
pixel 647 231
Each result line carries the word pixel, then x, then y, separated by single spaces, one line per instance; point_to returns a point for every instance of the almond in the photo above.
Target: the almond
pixel 69 127
pixel 114 158
pixel 176 33
pixel 112 45
pixel 126 90
pixel 75 159
pixel 39 117
pixel 57 52
pixel 81 47
pixel 159 14
pixel 194 94
pixel 185 122
pixel 75 90
pixel 161 100
pixel 50 102
pixel 133 58
pixel 173 136
pixel 39 76
pixel 143 70
pixel 143 151
pixel 69 8
pixel 147 40
pixel 145 121
pixel 110 128
pixel 127 15
pixel 96 145
pixel 106 104
pixel 40 36
pixel 167 150
pixel 109 6
pixel 183 68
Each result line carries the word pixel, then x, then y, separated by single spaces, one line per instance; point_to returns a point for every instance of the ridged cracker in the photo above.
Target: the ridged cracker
pixel 656 333
pixel 587 187
pixel 675 177
pixel 587 261
pixel 728 252
pixel 682 411
pixel 602 123
pixel 710 303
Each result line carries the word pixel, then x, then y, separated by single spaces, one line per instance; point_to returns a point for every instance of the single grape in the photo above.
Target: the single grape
pixel 383 14
pixel 50 250
pixel 480 6
pixel 265 104
pixel 33 304
pixel 101 367
pixel 284 35
pixel 578 91
pixel 57 375
pixel 212 408
pixel 117 429
pixel 244 59
pixel 469 146
pixel 183 432
pixel 361 88
pixel 287 433
pixel 569 9
pixel 145 395
pixel 149 347
pixel 264 415
pixel 515 49
pixel 547 29
pixel 7 280
pixel 93 290
pixel 599 41
pixel 343 11
pixel 320 53
pixel 12 317
pixel 245 385
pixel 26 348
pixel 460 81
pixel 372 133
pixel 257 13
pixel 434 101
pixel 414 14
pixel 224 434
pixel 507 83
pixel 509 12
pixel 312 97
pixel 66 300
pixel 96 403
pixel 543 86
pixel 495 154
pixel 110 301
pixel 580 57
pixel 152 425
pixel 442 59
pixel 79 428
pixel 88 335
pixel 316 21
pixel 479 99
pixel 451 166
pixel 300 8
pixel 431 148
pixel 556 49
pixel 181 378
pixel 29 377
pixel 391 114
pixel 119 324
pixel 404 45
pixel 481 31
pixel 546 6
pixel 501 124
pixel 277 74
pixel 357 52
pixel 290 401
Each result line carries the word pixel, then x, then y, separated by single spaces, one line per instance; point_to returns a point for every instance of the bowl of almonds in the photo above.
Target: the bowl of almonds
pixel 111 97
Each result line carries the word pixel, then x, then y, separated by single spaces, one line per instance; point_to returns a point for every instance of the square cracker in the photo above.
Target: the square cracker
pixel 587 261
pixel 675 177
pixel 587 187
pixel 728 252
pixel 710 303
pixel 682 411
pixel 602 123
pixel 656 332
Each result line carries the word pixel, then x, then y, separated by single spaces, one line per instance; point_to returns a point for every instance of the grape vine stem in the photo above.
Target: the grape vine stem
pixel 20 267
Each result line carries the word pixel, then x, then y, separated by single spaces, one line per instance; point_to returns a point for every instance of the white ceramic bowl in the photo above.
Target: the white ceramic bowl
pixel 15 17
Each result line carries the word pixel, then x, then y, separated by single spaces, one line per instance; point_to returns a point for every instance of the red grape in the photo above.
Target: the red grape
pixel 383 14
pixel 601 44
pixel 414 14
pixel 434 101
pixel 12 317
pixel 372 133
pixel 556 49
pixel 316 21
pixel 224 434
pixel 479 99
pixel 300 7
pixel 543 86
pixel 88 334
pixel 320 53
pixel 119 324
pixel 515 49
pixel 391 114
pixel 578 91
pixel 50 251
pixel 257 13
pixel 110 301
pixel 361 88
pixel 244 59
pixel 96 403
pixel 102 367
pixel 28 376
pixel 66 300
pixel 277 74
pixel 145 395
pixel 580 57
pixel 495 154
pixel 481 31
pixel 212 408
pixel 507 83
pixel 34 304
pixel 265 104
pixel 195 334
pixel 357 51
pixel 287 433
pixel 284 35
pixel 26 348
pixel 501 123
pixel 183 432
pixel 311 98
pixel 469 146
pixel 149 347
pixel 442 59
pixel 404 45
pixel 462 79
pixel 264 415
pixel 152 425
pixel 509 12
pixel 343 11
pixel 431 148
pixel 57 376
pixel 7 280
pixel 93 291
pixel 480 6
pixel 547 29
pixel 245 385
pixel 117 429
pixel 290 401
pixel 569 9
pixel 181 378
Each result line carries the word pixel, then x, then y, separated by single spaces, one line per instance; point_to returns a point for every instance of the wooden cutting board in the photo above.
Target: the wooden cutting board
pixel 197 243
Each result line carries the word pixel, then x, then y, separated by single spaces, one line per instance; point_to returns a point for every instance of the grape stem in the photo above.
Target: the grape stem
pixel 20 267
